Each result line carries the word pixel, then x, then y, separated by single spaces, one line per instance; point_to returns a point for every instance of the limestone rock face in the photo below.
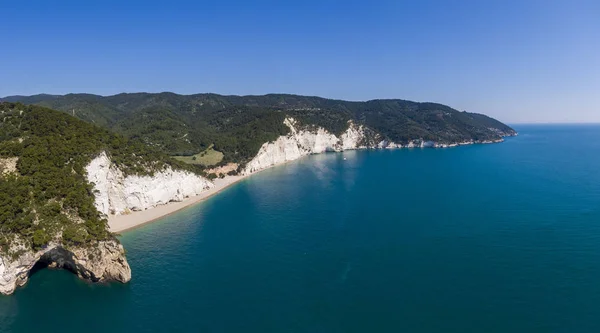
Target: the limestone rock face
pixel 8 165
pixel 118 194
pixel 103 262
pixel 385 144
pixel 302 142
pixel 115 193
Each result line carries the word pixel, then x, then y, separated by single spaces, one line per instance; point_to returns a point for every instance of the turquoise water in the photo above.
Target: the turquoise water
pixel 485 238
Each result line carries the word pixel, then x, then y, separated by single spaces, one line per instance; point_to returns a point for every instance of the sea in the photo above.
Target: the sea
pixel 481 238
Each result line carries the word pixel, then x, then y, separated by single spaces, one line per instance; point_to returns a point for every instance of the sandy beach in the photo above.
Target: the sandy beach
pixel 122 223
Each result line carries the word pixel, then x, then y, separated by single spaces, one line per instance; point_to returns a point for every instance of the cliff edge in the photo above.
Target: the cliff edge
pixel 116 193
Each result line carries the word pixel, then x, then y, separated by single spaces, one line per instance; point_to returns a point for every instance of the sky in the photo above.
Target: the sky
pixel 522 61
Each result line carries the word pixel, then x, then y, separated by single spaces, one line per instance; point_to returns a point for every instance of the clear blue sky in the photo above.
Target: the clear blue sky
pixel 519 61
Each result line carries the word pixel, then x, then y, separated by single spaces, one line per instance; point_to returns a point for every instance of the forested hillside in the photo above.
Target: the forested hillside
pixel 44 194
pixel 43 190
pixel 238 125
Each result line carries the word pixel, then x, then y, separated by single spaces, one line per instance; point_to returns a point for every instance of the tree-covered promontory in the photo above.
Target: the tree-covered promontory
pixel 44 194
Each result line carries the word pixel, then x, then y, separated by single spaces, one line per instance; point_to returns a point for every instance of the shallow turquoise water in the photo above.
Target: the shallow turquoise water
pixel 485 238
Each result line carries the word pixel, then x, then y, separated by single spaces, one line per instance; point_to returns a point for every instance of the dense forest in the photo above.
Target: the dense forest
pixel 44 194
pixel 239 125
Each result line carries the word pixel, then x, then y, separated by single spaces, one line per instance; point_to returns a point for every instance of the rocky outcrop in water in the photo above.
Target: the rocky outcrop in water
pixel 115 193
pixel 105 261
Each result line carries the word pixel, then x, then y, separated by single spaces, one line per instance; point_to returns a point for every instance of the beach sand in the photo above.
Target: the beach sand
pixel 122 223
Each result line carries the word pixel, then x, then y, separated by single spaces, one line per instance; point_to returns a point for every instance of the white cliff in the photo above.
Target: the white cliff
pixel 117 193
pixel 103 262
pixel 385 144
pixel 301 142
pixel 314 140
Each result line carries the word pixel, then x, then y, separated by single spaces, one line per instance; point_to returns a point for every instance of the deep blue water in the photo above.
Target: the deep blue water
pixel 484 238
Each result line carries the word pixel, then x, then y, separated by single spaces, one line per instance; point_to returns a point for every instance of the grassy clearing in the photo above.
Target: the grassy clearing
pixel 206 158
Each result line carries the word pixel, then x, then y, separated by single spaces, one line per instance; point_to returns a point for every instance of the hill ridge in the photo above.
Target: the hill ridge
pixel 237 126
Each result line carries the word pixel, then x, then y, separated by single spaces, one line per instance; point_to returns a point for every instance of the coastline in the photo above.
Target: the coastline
pixel 121 223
